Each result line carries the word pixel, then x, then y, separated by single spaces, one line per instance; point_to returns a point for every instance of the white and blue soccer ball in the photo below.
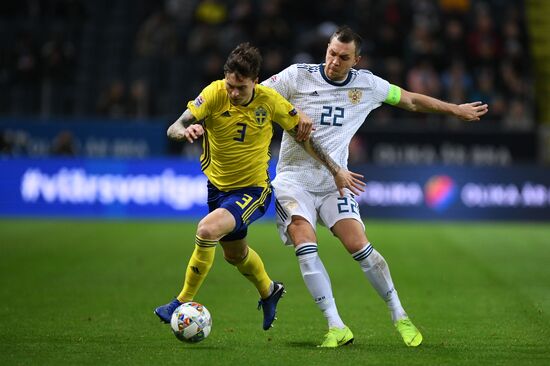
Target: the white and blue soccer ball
pixel 191 322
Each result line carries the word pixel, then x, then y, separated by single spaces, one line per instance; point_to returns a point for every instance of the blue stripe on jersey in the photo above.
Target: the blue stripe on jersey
pixel 364 253
pixel 205 162
pixel 280 210
pixel 306 249
pixel 310 68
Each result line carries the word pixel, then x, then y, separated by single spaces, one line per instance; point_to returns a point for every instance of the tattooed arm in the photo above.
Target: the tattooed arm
pixel 342 177
pixel 184 129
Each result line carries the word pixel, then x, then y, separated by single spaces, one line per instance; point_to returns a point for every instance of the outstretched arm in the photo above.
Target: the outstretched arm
pixel 416 102
pixel 342 177
pixel 183 128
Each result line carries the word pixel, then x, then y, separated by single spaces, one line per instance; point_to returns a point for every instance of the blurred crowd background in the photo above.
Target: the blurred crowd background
pixel 144 59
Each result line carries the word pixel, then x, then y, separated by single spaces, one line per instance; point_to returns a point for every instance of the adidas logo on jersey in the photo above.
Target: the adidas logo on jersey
pixel 314 94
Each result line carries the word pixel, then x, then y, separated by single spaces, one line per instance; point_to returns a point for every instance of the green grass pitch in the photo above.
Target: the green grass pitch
pixel 83 293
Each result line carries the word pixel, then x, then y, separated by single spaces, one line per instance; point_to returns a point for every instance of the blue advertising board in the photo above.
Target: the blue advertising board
pixel 175 188
pixel 466 193
pixel 99 188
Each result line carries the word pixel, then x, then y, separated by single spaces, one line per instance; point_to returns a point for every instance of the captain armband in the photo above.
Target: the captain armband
pixel 394 95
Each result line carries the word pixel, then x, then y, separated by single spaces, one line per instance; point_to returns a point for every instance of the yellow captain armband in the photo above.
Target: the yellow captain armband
pixel 394 95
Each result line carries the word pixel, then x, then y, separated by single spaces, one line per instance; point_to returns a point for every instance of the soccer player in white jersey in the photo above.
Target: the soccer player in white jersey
pixel 339 98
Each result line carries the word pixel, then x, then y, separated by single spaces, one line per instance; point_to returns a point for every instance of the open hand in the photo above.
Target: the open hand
pixel 350 180
pixel 472 111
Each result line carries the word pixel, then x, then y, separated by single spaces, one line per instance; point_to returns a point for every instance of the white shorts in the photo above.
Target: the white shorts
pixel 328 208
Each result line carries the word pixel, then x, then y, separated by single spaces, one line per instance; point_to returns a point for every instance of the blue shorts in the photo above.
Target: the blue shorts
pixel 246 205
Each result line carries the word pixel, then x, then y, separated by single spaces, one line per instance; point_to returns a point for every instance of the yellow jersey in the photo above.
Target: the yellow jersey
pixel 236 139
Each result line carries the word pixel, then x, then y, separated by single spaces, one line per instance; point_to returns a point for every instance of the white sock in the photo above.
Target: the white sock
pixel 377 272
pixel 318 282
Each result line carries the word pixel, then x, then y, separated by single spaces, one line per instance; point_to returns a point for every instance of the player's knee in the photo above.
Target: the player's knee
pixel 300 231
pixel 207 230
pixel 354 246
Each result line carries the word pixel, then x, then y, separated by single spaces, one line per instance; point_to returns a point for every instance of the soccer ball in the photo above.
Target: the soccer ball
pixel 191 322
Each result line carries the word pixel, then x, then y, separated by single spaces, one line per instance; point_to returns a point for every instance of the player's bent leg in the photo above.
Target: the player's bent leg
pixel 337 337
pixel 210 229
pixel 377 272
pixel 198 267
pixel 313 271
pixel 250 265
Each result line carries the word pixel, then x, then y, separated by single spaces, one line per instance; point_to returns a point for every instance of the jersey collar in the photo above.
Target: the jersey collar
pixel 251 99
pixel 331 82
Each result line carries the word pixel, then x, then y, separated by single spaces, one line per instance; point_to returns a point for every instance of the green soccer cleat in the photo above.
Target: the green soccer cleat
pixel 410 334
pixel 337 337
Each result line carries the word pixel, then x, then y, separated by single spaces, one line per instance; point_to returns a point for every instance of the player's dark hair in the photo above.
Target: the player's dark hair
pixel 346 35
pixel 244 61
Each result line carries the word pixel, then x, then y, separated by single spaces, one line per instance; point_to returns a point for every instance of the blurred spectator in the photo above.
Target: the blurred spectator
pixel 140 104
pixel 484 44
pixel 390 42
pixel 422 44
pixel 211 12
pixel 53 51
pixel 212 68
pixel 26 66
pixel 112 102
pixel 157 36
pixel 454 6
pixel 64 144
pixel 484 89
pixel 273 30
pixel 203 39
pixel 180 10
pixel 423 78
pixel 273 62
pixel 456 82
pixel 518 117
pixel 58 63
pixel 454 42
pixel 243 15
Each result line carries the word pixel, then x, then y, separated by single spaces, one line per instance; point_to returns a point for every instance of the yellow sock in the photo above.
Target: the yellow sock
pixel 198 267
pixel 252 268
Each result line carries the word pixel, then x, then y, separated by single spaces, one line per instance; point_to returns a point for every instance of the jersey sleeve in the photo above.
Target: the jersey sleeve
pixel 205 103
pixel 285 115
pixel 283 82
pixel 380 88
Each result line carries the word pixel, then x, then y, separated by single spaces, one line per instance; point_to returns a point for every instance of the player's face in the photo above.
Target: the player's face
pixel 239 89
pixel 340 58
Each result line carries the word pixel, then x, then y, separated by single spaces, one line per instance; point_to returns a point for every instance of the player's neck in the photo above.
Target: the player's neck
pixel 333 79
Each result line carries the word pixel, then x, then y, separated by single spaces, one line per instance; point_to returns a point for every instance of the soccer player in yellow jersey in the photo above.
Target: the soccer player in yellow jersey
pixel 236 116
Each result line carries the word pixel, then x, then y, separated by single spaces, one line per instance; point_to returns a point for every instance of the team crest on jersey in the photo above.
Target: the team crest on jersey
pixel 260 114
pixel 355 96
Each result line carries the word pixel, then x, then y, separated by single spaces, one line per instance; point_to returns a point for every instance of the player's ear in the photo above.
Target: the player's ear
pixel 357 59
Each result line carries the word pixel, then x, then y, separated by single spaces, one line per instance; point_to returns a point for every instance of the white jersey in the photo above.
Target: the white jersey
pixel 337 110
